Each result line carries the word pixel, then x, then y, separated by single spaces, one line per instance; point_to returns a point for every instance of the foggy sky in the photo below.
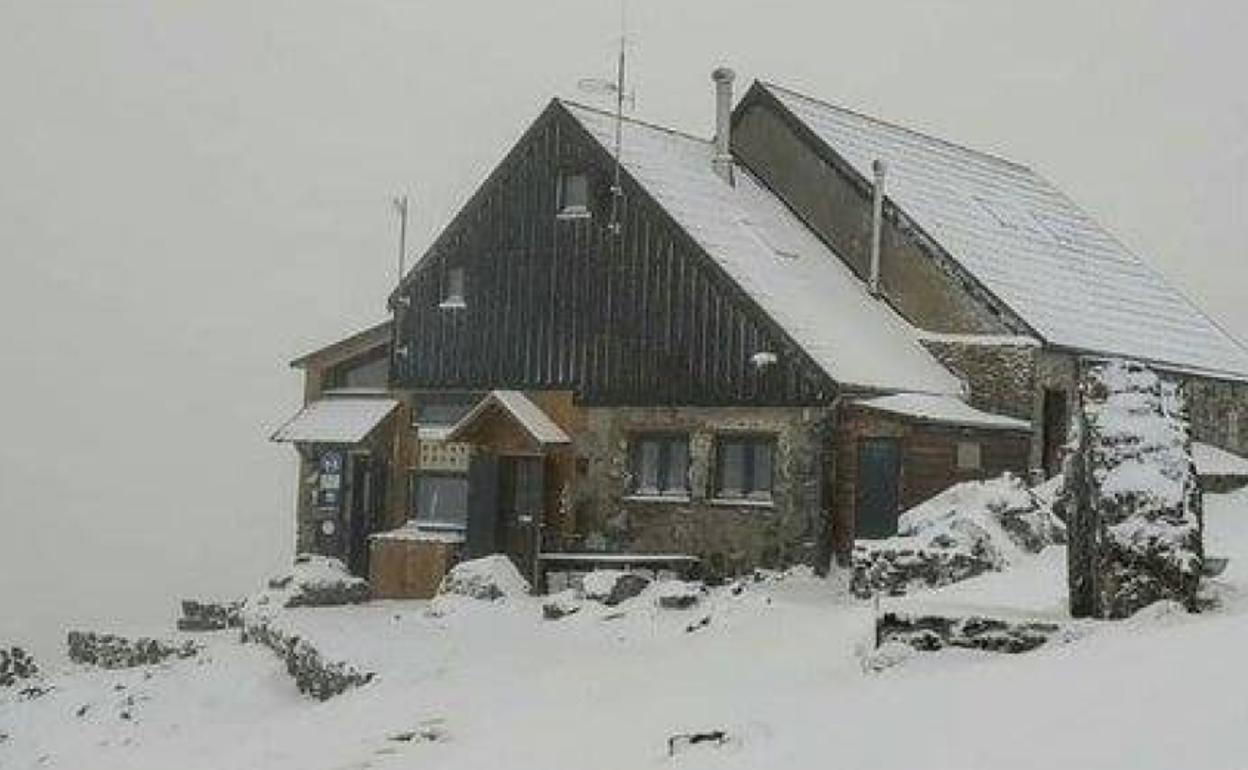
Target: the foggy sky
pixel 193 194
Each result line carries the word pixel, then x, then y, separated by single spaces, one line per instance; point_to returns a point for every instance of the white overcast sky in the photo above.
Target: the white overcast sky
pixel 193 193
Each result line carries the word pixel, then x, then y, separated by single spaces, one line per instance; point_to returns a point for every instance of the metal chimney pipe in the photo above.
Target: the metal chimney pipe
pixel 877 224
pixel 722 163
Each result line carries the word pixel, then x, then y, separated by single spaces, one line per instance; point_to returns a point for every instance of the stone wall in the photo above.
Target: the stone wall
pixel 1219 413
pixel 1001 376
pixel 730 537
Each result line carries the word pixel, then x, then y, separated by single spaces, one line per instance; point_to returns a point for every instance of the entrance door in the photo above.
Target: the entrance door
pixel 521 500
pixel 879 466
pixel 366 492
pixel 1054 431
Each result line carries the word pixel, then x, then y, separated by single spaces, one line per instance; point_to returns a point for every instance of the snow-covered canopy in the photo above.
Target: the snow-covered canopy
pixel 802 285
pixel 1213 461
pixel 526 414
pixel 1029 244
pixel 336 420
pixel 943 409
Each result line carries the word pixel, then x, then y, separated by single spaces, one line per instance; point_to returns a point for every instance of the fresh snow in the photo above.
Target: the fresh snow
pixel 942 409
pixel 781 664
pixel 1214 461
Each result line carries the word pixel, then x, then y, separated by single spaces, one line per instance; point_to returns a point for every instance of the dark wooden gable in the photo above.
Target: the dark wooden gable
pixel 552 303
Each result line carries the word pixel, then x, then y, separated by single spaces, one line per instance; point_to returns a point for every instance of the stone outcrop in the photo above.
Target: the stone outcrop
pixel 613 586
pixel 895 569
pixel 928 633
pixel 209 616
pixel 112 651
pixel 1131 496
pixel 314 675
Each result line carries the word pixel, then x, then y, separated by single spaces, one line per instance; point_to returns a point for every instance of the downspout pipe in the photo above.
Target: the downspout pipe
pixel 877 224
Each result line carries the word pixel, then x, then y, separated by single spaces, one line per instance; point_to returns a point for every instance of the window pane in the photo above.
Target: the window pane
pixel 648 467
pixel 731 469
pixel 678 466
pixel 454 285
pixel 443 500
pixel 575 192
pixel 760 485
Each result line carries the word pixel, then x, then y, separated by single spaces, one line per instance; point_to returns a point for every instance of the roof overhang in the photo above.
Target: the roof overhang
pixel 373 337
pixel 336 420
pixel 519 410
pixel 942 410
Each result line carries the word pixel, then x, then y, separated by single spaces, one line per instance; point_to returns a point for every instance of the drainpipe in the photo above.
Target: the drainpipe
pixel 722 162
pixel 877 225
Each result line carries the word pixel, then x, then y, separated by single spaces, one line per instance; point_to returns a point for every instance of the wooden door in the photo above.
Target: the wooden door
pixel 1055 420
pixel 879 471
pixel 521 499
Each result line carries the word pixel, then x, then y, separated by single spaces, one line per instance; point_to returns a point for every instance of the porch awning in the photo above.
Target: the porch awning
pixel 336 420
pixel 528 415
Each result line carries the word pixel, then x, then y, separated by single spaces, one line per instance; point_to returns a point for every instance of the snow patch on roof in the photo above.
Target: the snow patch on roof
pixel 336 420
pixel 802 285
pixel 1214 461
pixel 1029 244
pixel 942 409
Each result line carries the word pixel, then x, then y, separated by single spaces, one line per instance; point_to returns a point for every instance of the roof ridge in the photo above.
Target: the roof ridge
pixel 634 121
pixel 897 126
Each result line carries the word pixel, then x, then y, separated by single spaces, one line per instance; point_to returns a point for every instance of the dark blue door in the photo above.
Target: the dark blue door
pixel 879 465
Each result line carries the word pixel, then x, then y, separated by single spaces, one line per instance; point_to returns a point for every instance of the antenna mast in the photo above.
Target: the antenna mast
pixel 617 191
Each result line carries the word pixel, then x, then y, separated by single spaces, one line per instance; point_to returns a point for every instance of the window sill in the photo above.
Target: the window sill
pixel 683 499
pixel 574 212
pixel 453 304
pixel 741 502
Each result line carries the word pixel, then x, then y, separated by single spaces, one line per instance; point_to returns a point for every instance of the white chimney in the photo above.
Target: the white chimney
pixel 877 225
pixel 722 163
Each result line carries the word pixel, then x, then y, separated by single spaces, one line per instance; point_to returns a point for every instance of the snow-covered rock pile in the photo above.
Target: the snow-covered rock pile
pixel 611 586
pixel 16 665
pixel 318 581
pixel 488 578
pixel 1132 495
pixel 969 529
pixel 112 651
pixel 678 594
pixel 933 632
pixel 313 674
pixel 209 616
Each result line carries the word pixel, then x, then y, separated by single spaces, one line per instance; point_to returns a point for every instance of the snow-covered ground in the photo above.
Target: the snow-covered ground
pixel 778 667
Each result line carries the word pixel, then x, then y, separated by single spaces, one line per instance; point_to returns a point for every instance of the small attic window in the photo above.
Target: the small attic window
pixel 453 289
pixel 573 195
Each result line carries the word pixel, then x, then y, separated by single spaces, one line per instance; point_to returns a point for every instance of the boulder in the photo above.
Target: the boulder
pixel 613 586
pixel 561 605
pixel 488 578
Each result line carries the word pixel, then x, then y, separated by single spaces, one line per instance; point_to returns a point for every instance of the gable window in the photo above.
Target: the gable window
pixel 744 467
pixel 573 195
pixel 453 288
pixel 660 464
pixel 968 456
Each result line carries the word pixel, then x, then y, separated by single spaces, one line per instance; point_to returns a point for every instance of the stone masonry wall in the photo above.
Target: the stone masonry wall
pixel 1002 377
pixel 1219 413
pixel 730 537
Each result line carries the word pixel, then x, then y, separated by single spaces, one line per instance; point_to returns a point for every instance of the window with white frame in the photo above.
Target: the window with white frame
pixel 660 464
pixel 743 467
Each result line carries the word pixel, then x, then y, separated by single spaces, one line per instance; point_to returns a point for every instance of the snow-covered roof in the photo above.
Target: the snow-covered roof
pixel 336 420
pixel 374 336
pixel 1029 244
pixel 942 409
pixel 1214 461
pixel 527 414
pixel 802 285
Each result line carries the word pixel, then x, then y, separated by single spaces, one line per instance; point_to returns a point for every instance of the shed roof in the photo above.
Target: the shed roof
pixel 375 336
pixel 1031 246
pixel 527 415
pixel 336 420
pixel 792 275
pixel 942 409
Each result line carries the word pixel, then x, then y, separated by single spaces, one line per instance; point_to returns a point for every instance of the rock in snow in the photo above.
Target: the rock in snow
pixel 489 578
pixel 16 664
pixel 111 651
pixel 611 586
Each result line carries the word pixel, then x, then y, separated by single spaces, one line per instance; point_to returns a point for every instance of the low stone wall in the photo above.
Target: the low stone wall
pixel 313 674
pixel 112 651
pixel 15 665
pixel 209 616
pixel 928 633
pixel 895 571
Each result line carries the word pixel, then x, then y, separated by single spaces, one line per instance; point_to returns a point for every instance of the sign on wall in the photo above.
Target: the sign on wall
pixel 443 456
pixel 329 480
